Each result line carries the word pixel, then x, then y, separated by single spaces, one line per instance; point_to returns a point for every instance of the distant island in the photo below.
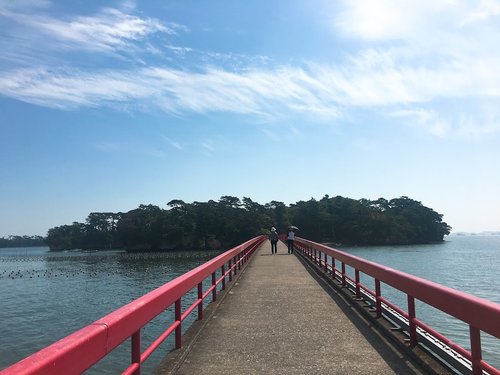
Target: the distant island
pixel 484 233
pixel 230 221
pixel 22 241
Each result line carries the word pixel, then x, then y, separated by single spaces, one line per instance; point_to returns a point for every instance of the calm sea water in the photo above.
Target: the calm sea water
pixel 467 263
pixel 45 296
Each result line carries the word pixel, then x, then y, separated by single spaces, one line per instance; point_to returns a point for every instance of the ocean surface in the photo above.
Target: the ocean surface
pixel 470 264
pixel 45 296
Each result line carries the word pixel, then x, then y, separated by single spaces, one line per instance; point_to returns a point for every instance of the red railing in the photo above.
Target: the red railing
pixel 82 349
pixel 479 314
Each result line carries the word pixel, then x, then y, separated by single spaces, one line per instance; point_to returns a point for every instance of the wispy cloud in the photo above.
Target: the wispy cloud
pixel 208 146
pixel 437 57
pixel 324 92
pixel 110 29
pixel 107 147
pixel 270 134
pixel 173 143
pixel 411 56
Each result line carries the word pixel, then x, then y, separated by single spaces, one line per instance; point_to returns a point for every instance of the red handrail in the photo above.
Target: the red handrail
pixel 82 349
pixel 480 314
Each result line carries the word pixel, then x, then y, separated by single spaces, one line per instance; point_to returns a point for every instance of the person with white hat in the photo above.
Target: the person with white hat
pixel 273 237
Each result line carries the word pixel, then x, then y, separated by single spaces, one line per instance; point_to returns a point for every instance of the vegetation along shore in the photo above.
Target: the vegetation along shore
pixel 230 221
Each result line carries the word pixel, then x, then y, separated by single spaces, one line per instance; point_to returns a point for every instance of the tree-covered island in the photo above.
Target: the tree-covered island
pixel 22 241
pixel 230 221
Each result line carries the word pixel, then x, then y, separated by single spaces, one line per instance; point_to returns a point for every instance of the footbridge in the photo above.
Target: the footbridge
pixel 310 312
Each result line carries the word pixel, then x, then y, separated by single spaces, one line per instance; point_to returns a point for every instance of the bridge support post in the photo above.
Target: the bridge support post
pixel 475 349
pixel 136 351
pixel 200 298
pixel 411 321
pixel 378 294
pixel 178 329
pixel 214 286
pixel 344 284
pixel 356 275
pixel 333 269
pixel 223 271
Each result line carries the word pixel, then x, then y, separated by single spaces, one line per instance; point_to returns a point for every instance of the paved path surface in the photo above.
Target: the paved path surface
pixel 278 319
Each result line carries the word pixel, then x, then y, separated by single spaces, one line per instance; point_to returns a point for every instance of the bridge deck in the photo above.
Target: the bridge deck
pixel 278 319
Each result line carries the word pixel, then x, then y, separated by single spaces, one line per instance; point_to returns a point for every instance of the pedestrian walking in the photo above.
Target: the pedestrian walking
pixel 273 237
pixel 289 240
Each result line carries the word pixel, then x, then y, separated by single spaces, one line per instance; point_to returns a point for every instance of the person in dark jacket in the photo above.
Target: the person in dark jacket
pixel 273 237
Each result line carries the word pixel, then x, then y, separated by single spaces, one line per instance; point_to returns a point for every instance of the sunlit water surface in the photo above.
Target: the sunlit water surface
pixel 46 296
pixel 467 263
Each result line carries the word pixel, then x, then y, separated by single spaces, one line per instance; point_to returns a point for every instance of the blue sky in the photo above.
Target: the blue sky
pixel 108 105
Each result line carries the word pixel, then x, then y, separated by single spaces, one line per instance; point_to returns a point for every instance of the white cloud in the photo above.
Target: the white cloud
pixel 321 92
pixel 108 29
pixel 173 143
pixel 445 51
pixel 485 9
pixel 270 134
pixel 427 119
pixel 207 145
pixel 107 147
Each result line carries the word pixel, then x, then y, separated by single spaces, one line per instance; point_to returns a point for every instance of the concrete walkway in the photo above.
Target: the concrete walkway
pixel 278 319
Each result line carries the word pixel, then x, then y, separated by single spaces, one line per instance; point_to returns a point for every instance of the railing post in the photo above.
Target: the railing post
pixel 200 297
pixel 239 261
pixel 475 350
pixel 214 290
pixel 230 271
pixel 326 263
pixel 378 294
pixel 344 284
pixel 411 321
pixel 356 275
pixel 333 268
pixel 235 265
pixel 136 351
pixel 320 258
pixel 223 271
pixel 178 329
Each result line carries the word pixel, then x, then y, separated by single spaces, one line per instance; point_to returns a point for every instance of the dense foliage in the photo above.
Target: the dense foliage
pixel 22 241
pixel 230 221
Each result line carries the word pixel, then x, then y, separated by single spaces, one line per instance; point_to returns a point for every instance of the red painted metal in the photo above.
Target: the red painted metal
pixel 223 272
pixel 358 291
pixel 343 275
pixel 411 321
pixel 136 352
pixel 475 349
pixel 200 299
pixel 333 267
pixel 82 349
pixel 178 329
pixel 214 287
pixel 480 314
pixel 378 303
